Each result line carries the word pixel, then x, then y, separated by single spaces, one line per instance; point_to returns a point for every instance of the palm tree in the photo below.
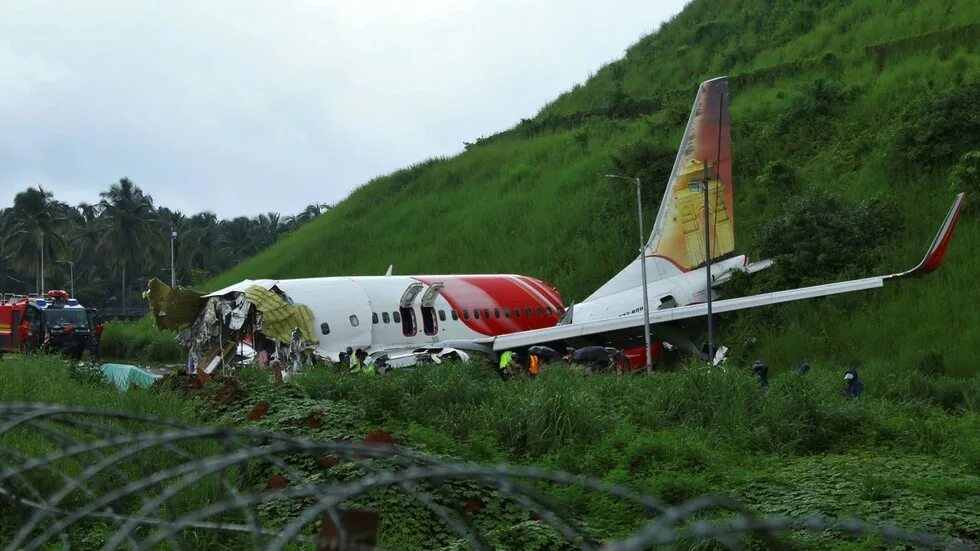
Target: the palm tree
pixel 31 229
pixel 86 232
pixel 236 238
pixel 269 227
pixel 130 230
pixel 200 243
pixel 310 212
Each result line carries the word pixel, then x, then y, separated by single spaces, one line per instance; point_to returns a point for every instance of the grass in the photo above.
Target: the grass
pixel 896 455
pixel 140 341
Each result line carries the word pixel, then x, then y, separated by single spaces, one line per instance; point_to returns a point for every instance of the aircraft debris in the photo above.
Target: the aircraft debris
pixel 228 329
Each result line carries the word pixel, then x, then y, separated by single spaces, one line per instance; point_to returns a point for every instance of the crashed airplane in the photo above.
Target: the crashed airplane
pixel 399 320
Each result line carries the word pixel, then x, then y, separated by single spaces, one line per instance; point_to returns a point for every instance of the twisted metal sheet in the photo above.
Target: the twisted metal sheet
pixel 140 481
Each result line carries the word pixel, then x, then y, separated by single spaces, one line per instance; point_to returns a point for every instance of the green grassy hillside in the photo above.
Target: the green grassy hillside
pixel 861 99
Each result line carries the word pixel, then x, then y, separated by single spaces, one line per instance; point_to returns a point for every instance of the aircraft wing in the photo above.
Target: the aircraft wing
pixel 932 260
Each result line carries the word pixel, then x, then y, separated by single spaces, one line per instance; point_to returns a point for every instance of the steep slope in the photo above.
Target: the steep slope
pixel 861 99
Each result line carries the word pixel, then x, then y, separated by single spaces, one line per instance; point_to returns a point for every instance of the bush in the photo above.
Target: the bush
pixel 938 129
pixel 821 237
pixel 965 178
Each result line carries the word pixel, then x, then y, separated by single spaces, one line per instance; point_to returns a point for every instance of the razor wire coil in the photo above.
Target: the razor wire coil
pixel 139 479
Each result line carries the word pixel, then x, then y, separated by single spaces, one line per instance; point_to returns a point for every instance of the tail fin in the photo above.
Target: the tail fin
pixel 677 243
pixel 705 154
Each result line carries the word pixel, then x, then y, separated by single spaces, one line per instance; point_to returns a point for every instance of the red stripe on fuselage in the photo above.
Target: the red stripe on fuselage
pixel 499 294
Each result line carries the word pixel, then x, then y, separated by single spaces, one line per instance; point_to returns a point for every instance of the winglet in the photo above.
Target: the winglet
pixel 937 251
pixel 391 268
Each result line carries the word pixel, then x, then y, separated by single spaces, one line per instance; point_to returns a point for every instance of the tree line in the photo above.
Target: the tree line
pixel 113 247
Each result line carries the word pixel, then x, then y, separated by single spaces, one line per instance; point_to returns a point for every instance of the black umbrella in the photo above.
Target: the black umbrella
pixel 590 354
pixel 544 352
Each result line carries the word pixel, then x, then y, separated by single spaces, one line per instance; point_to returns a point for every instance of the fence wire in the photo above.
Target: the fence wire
pixel 142 482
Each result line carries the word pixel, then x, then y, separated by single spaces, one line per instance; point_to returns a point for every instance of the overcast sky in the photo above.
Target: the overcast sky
pixel 242 107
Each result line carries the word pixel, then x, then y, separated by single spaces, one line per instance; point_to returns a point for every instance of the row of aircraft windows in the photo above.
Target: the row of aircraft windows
pixel 476 312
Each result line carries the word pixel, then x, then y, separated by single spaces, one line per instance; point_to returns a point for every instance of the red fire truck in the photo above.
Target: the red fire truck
pixel 55 323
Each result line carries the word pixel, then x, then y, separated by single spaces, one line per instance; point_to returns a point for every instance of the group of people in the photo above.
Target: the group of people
pixel 355 361
pixel 512 364
pixel 853 386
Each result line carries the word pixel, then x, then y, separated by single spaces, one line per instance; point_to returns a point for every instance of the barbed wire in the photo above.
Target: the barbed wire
pixel 140 481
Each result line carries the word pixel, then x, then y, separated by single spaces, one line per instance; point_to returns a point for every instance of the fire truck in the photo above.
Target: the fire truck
pixel 53 323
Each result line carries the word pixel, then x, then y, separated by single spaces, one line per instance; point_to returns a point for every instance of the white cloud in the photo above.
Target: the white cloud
pixel 199 101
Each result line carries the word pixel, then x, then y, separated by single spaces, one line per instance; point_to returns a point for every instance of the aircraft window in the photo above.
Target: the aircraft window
pixel 486 313
pixel 507 313
pixel 385 317
pixel 466 314
pixel 325 328
pixel 527 312
pixel 476 314
pixel 396 316
pixel 374 317
pixel 540 312
pixel 496 312
pixel 353 321
pixel 550 312
pixel 517 312
pixel 442 315
pixel 454 315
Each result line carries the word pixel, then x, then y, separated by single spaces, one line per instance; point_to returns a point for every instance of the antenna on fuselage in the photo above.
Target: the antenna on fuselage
pixel 391 267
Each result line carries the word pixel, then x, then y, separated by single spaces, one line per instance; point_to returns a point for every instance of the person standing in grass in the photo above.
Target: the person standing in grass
pixel 344 359
pixel 853 387
pixel 761 372
pixel 355 362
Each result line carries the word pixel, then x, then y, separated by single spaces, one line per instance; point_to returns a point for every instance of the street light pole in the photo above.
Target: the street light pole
pixel 173 272
pixel 707 267
pixel 643 269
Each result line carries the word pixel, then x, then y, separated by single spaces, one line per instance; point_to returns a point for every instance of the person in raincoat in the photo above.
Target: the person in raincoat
pixel 344 359
pixel 533 364
pixel 853 387
pixel 761 372
pixel 355 362
pixel 509 364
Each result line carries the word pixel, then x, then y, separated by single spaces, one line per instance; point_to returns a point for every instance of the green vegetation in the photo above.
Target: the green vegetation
pixel 123 241
pixel 140 341
pixel 907 453
pixel 853 122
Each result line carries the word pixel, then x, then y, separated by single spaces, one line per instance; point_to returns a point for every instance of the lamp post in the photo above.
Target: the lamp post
pixel 71 268
pixel 173 272
pixel 643 268
pixel 702 187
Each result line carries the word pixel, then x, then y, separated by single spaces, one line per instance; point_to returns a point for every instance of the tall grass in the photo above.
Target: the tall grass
pixel 141 342
pixel 902 453
pixel 905 411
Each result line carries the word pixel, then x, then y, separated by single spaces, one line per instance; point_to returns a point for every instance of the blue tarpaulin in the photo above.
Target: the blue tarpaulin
pixel 124 376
